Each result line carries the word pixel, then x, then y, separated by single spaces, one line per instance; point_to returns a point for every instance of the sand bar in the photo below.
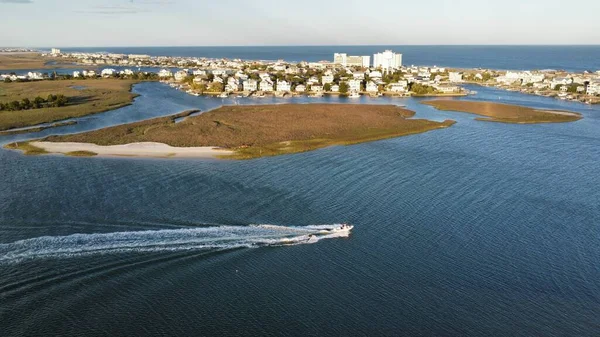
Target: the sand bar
pixel 144 149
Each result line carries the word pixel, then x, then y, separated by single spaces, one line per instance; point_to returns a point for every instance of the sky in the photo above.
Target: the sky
pixel 103 23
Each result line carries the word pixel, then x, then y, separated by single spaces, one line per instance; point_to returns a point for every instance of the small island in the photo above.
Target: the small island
pixel 505 113
pixel 25 104
pixel 242 132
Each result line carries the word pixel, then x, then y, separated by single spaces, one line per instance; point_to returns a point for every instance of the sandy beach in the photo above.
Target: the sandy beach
pixel 147 149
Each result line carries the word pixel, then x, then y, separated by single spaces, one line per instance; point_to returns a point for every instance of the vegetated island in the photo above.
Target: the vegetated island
pixel 505 113
pixel 20 106
pixel 244 132
pixel 33 60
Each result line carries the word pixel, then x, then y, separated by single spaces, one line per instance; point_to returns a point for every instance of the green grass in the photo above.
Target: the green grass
pixel 81 154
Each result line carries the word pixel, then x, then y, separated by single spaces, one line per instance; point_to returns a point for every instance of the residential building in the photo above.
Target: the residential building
pixel 387 60
pixel 250 85
pixel 372 87
pixel 351 61
pixel 55 51
pixel 455 77
pixel 108 72
pixel 300 88
pixel 266 85
pixel 181 75
pixel 354 85
pixel 359 75
pixel 76 74
pixel 32 75
pixel 400 86
pixel 164 73
pixel 593 88
pixel 327 78
pixel 316 88
pixel 335 88
pixel 283 86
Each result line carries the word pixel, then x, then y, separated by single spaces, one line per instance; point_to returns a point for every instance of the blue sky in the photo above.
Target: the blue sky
pixel 65 23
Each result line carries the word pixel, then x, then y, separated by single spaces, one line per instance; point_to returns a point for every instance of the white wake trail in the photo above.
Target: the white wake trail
pixel 198 238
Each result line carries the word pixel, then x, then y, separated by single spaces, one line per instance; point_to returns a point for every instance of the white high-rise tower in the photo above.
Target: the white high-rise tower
pixel 387 60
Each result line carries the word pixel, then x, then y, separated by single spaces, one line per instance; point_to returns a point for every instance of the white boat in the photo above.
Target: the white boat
pixel 224 95
pixel 354 95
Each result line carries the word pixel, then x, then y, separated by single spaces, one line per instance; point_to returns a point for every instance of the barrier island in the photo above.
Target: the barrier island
pixel 246 132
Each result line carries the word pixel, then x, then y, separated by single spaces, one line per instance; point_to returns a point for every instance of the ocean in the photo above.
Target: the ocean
pixel 570 58
pixel 481 229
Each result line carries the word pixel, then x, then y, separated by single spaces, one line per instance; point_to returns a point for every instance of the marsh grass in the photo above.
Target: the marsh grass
pixel 98 96
pixel 267 130
pixel 505 113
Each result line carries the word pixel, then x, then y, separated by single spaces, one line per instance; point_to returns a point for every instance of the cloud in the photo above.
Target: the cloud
pixel 114 10
pixel 16 1
pixel 134 7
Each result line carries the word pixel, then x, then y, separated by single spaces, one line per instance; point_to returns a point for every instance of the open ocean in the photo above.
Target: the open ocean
pixel 570 58
pixel 480 229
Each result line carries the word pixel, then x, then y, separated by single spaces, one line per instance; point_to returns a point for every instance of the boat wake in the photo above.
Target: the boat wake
pixel 197 238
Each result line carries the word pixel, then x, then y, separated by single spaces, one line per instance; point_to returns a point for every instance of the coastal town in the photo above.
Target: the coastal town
pixel 348 75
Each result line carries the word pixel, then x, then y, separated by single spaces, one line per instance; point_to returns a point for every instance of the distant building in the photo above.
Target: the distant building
pixel 456 77
pixel 266 85
pixel 108 72
pixel 335 88
pixel 283 85
pixel 300 88
pixel 351 61
pixel 181 75
pixel 354 85
pixel 33 75
pixel 387 60
pixel 164 73
pixel 372 87
pixel 593 88
pixel 250 85
pixel 327 78
pixel 55 51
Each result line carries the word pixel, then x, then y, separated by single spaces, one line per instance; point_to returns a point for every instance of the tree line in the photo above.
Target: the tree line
pixel 51 101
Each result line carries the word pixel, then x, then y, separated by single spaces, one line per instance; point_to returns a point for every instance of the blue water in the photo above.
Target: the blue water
pixel 570 58
pixel 481 229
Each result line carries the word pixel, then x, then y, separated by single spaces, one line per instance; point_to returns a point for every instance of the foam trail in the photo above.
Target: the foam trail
pixel 216 237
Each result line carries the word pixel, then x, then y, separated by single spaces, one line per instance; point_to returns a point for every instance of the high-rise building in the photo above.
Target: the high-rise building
pixel 351 61
pixel 387 60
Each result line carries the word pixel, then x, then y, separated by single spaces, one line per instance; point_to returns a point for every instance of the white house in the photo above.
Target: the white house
pixel 560 81
pixel 33 75
pixel 358 75
pixel 108 72
pixel 127 72
pixel 199 72
pixel 372 87
pixel 398 87
pixel 354 85
pixel 283 85
pixel 181 75
pixel 300 88
pixel 164 73
pixel 375 74
pixel 316 88
pixel 232 84
pixel 266 85
pixel 593 88
pixel 456 77
pixel 76 74
pixel 250 85
pixel 335 88
pixel 327 78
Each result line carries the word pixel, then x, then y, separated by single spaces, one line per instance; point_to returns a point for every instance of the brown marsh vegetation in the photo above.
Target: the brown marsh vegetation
pixel 505 113
pixel 266 130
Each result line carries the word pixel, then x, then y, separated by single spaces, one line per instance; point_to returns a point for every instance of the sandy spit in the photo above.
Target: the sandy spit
pixel 147 149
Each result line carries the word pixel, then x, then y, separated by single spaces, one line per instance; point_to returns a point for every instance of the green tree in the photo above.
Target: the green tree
pixel 327 87
pixel 344 88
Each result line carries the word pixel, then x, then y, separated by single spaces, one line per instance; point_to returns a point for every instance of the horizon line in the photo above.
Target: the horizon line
pixel 318 45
